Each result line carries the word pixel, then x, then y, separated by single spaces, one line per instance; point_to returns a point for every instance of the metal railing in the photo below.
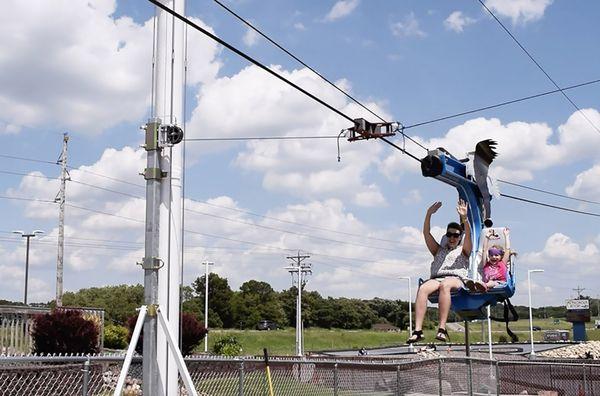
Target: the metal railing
pixel 97 376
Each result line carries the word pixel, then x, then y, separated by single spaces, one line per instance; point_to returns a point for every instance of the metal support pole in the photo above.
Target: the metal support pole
pixel 584 380
pixel 172 343
pixel 335 380
pixel 151 262
pixel 398 380
pixel 497 378
pixel 206 264
pixel 440 384
pixel 241 379
pixel 26 268
pixel 468 354
pixel 86 378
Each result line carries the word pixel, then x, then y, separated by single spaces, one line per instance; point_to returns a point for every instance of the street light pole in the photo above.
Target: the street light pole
pixel 410 346
pixel 206 264
pixel 530 310
pixel 28 236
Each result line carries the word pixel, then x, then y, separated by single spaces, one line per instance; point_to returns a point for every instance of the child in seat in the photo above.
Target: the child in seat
pixel 494 269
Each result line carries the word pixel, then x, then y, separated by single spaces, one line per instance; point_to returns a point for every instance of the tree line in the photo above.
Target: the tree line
pixel 257 300
pixel 252 302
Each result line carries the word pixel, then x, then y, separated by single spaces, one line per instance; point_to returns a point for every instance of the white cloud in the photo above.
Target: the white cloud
pixel 56 70
pixel 299 26
pixel 412 197
pixel 252 103
pixel 586 184
pixel 564 257
pixel 341 9
pixel 524 148
pixel 457 21
pixel 519 11
pixel 408 27
pixel 250 37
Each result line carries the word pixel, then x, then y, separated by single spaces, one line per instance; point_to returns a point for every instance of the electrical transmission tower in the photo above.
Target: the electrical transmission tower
pixel 302 270
pixel 60 199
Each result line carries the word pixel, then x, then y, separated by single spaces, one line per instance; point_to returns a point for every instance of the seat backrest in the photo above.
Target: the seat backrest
pixel 497 238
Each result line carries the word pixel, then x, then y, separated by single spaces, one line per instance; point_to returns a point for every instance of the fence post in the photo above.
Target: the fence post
pixel 241 379
pixel 335 380
pixel 440 385
pixel 497 378
pixel 86 377
pixel 584 380
pixel 398 380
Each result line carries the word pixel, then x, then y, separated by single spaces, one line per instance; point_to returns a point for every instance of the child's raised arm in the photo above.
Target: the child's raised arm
pixel 506 245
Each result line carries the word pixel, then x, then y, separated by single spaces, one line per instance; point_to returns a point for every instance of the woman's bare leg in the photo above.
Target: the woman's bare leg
pixel 444 299
pixel 425 290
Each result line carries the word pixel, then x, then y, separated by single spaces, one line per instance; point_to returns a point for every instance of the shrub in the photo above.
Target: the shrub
pixel 227 346
pixel 64 331
pixel 192 332
pixel 116 337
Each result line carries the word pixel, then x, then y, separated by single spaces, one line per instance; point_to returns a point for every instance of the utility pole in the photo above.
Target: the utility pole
pixel 302 269
pixel 28 237
pixel 206 264
pixel 60 199
pixel 578 289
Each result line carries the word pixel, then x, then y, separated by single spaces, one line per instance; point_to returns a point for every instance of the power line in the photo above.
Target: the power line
pixel 260 138
pixel 27 199
pixel 538 65
pixel 548 192
pixel 106 177
pixel 296 223
pixel 501 104
pixel 550 206
pixel 28 159
pixel 295 233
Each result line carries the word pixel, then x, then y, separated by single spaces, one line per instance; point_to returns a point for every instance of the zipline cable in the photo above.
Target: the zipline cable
pixel 548 192
pixel 247 57
pixel 246 22
pixel 538 65
pixel 501 104
pixel 550 206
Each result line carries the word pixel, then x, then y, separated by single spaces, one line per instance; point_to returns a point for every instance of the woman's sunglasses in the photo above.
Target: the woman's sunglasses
pixel 453 234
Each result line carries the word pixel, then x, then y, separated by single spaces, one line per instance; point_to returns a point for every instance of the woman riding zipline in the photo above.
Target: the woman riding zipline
pixel 448 269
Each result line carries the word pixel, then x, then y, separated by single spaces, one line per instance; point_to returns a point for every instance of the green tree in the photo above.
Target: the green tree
pixel 256 301
pixel 119 302
pixel 311 301
pixel 219 299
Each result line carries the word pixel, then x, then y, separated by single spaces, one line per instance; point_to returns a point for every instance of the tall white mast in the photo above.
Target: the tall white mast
pixel 168 106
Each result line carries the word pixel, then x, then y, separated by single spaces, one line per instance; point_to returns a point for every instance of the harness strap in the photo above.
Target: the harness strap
pixel 508 307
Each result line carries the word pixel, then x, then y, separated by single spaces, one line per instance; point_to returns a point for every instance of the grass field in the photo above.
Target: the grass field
pixel 282 342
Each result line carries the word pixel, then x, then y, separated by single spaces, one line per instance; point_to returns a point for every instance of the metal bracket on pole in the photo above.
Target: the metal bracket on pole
pixel 152 263
pixel 154 174
pixel 152 130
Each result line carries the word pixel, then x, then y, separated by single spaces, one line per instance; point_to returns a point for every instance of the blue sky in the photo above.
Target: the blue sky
pixel 83 67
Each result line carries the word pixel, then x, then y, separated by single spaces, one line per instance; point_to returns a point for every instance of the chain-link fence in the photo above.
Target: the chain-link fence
pixel 97 376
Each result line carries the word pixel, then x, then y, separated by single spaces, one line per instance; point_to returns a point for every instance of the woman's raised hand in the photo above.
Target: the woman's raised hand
pixel 434 208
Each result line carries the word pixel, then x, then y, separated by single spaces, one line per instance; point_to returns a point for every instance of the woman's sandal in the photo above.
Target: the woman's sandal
pixel 416 336
pixel 442 335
